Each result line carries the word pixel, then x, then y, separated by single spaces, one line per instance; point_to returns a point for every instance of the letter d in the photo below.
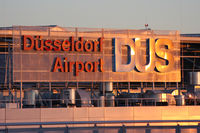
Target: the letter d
pixel 27 46
pixel 118 43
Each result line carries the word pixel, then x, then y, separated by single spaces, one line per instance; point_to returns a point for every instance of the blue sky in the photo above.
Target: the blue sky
pixel 182 15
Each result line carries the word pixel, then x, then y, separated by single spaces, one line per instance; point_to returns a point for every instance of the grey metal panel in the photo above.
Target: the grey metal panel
pixel 194 78
pixel 3 68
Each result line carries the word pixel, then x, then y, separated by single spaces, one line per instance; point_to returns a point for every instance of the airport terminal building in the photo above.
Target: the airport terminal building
pixel 52 66
pixel 61 79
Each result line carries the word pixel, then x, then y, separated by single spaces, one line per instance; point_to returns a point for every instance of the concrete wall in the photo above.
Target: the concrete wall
pixel 100 113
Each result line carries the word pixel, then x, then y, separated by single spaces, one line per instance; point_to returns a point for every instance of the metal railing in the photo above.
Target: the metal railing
pixel 45 103
pixel 96 126
pixel 98 102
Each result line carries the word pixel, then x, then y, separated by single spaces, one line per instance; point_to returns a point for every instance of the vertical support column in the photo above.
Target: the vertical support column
pixel 21 94
pixel 21 73
pixel 66 129
pixel 49 31
pixel 76 85
pixel 165 85
pixel 142 91
pixel 66 85
pixel 50 102
pixel 15 96
pixel 179 91
pixel 91 90
pixel 153 85
pixel 38 85
pixel 142 86
pixel 148 129
pixel 198 128
pixel 178 129
pixel 95 128
pixel 102 32
pixel 182 73
pixel 117 88
pixel 9 71
pixel 63 91
pixel 6 129
pixel 38 88
pixel 40 129
pixel 122 129
pixel 76 32
pixel 103 89
pixel 129 86
pixel 102 95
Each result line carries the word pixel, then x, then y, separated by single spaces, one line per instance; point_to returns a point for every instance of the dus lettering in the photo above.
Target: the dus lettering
pixel 160 55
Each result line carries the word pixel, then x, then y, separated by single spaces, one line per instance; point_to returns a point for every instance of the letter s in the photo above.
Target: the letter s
pixel 164 54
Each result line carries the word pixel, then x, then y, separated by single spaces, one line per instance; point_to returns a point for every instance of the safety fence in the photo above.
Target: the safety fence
pixel 99 127
pixel 101 102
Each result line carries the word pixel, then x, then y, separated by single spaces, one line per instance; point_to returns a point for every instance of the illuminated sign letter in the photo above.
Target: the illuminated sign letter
pixel 119 67
pixel 150 61
pixel 163 50
pixel 58 65
pixel 28 46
